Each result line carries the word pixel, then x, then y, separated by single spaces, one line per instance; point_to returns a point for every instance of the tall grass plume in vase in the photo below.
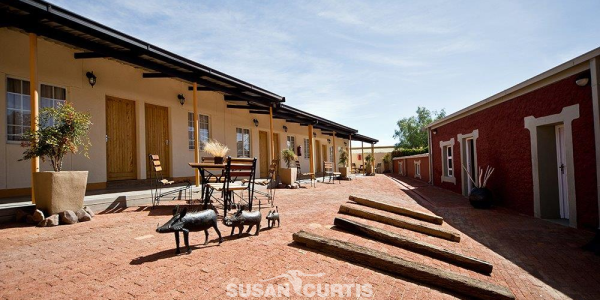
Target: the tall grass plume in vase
pixel 216 149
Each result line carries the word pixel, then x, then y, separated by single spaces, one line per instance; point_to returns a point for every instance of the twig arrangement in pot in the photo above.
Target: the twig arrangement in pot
pixel 480 196
pixel 216 149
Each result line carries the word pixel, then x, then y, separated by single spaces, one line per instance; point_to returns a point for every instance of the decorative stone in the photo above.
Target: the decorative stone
pixel 83 216
pixel 68 217
pixel 21 215
pixel 37 216
pixel 89 211
pixel 49 221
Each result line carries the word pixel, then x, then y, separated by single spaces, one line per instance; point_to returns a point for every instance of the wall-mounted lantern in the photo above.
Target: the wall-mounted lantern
pixel 255 122
pixel 285 128
pixel 328 141
pixel 91 78
pixel 181 99
pixel 314 134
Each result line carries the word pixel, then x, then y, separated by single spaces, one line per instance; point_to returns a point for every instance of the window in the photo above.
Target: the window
pixel 306 149
pixel 203 128
pixel 331 154
pixel 417 169
pixel 449 170
pixel 18 109
pixel 242 139
pixel 291 143
pixel 52 96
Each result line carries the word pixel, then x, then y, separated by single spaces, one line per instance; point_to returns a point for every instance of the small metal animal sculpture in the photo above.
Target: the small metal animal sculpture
pixel 192 221
pixel 273 216
pixel 241 218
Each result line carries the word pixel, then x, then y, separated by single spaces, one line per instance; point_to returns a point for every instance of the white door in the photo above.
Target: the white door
pixel 470 156
pixel 400 168
pixel 561 156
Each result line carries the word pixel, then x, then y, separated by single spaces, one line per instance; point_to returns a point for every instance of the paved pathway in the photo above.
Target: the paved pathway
pixel 120 256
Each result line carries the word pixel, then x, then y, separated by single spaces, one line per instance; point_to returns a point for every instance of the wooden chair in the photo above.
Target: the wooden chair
pixel 328 171
pixel 354 170
pixel 158 182
pixel 235 168
pixel 301 176
pixel 361 169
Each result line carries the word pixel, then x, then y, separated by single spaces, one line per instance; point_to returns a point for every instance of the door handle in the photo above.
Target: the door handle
pixel 562 168
pixel 167 141
pixel 107 138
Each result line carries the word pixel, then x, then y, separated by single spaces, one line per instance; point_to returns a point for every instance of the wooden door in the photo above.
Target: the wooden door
pixel 318 157
pixel 121 151
pixel 325 154
pixel 263 148
pixel 157 137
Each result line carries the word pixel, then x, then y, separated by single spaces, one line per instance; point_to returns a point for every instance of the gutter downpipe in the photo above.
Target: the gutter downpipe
pixel 430 156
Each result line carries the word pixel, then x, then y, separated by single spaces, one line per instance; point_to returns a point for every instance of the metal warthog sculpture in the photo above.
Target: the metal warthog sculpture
pixel 192 221
pixel 273 216
pixel 241 218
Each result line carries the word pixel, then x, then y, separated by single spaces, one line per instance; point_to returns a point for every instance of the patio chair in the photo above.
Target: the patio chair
pixel 301 176
pixel 268 182
pixel 354 169
pixel 158 182
pixel 378 168
pixel 236 168
pixel 361 169
pixel 328 171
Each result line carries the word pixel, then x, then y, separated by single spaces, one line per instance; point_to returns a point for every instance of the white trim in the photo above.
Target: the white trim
pixel 566 117
pixel 412 156
pixel 417 163
pixel 595 84
pixel 449 143
pixel 462 138
pixel 559 72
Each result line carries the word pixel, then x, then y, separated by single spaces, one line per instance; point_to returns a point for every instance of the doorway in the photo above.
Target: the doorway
pixel 471 163
pixel 157 136
pixel 561 161
pixel 263 141
pixel 121 162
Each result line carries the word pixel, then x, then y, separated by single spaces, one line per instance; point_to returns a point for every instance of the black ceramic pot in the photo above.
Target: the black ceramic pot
pixel 218 160
pixel 481 198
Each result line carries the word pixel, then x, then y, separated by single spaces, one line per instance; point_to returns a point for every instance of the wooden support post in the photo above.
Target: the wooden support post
pixel 34 100
pixel 362 151
pixel 403 242
pixel 398 210
pixel 418 272
pixel 272 134
pixel 394 221
pixel 311 160
pixel 373 156
pixel 350 152
pixel 334 154
pixel 196 133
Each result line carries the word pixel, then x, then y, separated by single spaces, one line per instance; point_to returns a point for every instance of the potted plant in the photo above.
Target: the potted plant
pixel 480 196
pixel 343 162
pixel 289 174
pixel 369 168
pixel 387 159
pixel 216 149
pixel 61 130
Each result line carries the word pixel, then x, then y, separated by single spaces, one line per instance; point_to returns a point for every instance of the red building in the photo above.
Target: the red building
pixel 542 136
pixel 414 166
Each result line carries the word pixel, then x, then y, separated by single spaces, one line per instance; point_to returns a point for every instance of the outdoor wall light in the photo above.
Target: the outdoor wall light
pixel 434 131
pixel 345 144
pixel 255 122
pixel 284 128
pixel 328 141
pixel 582 81
pixel 314 134
pixel 181 99
pixel 91 78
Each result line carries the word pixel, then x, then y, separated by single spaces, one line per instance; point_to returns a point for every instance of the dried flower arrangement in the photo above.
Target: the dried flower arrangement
pixel 215 148
pixel 483 176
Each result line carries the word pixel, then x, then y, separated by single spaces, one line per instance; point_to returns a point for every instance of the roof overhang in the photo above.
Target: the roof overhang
pixel 99 41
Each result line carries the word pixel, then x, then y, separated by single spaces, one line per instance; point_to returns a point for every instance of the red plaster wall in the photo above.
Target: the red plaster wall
pixel 504 143
pixel 409 167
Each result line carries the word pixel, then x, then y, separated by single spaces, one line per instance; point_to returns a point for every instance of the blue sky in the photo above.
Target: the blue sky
pixel 364 64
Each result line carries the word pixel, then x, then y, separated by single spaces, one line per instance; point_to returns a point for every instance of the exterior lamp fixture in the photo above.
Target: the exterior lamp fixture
pixel 91 78
pixel 314 134
pixel 255 122
pixel 582 81
pixel 434 131
pixel 285 128
pixel 328 141
pixel 345 144
pixel 181 99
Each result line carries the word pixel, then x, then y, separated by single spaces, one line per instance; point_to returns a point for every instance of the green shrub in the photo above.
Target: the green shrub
pixel 408 152
pixel 288 157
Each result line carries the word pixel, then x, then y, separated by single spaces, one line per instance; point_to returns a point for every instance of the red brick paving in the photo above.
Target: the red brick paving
pixel 103 259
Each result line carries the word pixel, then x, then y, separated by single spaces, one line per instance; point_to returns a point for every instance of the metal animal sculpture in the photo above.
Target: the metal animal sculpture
pixel 273 216
pixel 242 218
pixel 192 221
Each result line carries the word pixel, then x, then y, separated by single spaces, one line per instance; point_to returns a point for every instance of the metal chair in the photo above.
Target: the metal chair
pixel 329 171
pixel 158 182
pixel 301 176
pixel 235 168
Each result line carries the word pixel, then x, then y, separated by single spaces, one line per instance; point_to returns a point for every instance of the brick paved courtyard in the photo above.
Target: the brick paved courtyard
pixel 119 255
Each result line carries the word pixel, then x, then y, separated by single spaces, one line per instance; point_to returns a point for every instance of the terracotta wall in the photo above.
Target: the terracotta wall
pixel 408 166
pixel 504 143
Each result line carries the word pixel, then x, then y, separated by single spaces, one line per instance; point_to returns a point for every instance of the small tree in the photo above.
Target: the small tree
pixel 343 157
pixel 369 160
pixel 62 130
pixel 410 133
pixel 288 157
